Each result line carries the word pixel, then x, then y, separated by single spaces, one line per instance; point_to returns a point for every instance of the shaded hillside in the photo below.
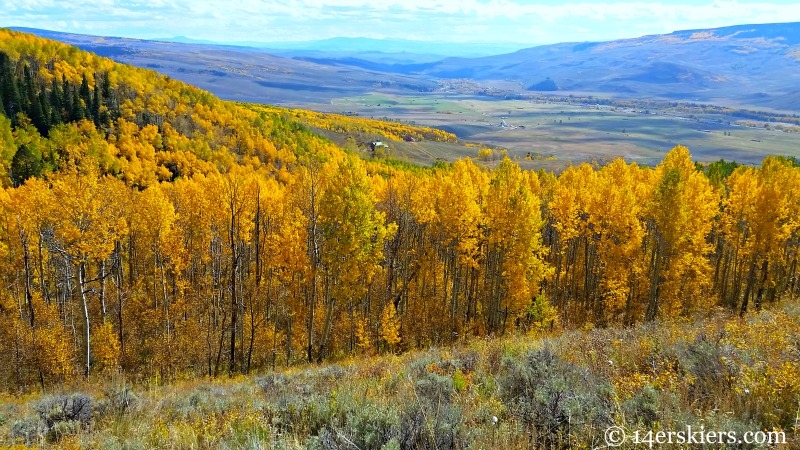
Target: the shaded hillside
pixel 753 65
pixel 724 63
pixel 246 73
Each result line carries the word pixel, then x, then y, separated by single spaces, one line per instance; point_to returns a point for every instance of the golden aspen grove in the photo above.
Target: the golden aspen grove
pixel 151 231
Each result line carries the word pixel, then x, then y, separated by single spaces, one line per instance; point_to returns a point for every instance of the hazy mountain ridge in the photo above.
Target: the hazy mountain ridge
pixel 731 62
pixel 370 45
pixel 242 73
pixel 752 65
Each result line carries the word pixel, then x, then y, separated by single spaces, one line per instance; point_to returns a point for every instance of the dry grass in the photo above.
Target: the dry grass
pixel 558 391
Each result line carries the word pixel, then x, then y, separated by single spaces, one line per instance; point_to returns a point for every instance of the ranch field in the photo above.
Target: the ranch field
pixel 552 134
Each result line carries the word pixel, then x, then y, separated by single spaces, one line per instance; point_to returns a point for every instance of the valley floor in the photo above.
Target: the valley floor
pixel 554 132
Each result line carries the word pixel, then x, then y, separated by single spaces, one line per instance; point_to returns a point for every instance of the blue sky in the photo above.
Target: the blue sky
pixel 531 22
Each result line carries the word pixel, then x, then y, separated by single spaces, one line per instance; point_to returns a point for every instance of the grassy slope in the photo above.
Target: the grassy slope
pixel 721 371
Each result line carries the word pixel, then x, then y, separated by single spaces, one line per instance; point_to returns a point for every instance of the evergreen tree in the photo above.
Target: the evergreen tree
pixel 38 114
pixel 12 103
pixel 30 90
pixel 67 104
pixel 56 104
pixel 77 109
pixel 24 165
pixel 95 110
pixel 85 95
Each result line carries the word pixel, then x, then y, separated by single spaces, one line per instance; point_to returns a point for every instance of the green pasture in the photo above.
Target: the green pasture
pixel 567 133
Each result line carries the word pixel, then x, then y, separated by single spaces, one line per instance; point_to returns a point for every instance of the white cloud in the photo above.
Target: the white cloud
pixel 458 20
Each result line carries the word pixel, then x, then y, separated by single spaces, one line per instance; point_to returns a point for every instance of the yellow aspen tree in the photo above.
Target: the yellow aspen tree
pixel 277 268
pixel 198 220
pixel 157 241
pixel 570 246
pixel 738 210
pixel 615 225
pixel 286 259
pixel 411 261
pixel 760 218
pixel 87 221
pixel 308 189
pixel 239 195
pixel 107 350
pixel 459 236
pixel 353 235
pixel 679 217
pixel 363 338
pixel 515 263
pixel 26 210
pixel 390 326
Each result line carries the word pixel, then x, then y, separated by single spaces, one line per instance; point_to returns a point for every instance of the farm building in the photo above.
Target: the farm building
pixel 377 144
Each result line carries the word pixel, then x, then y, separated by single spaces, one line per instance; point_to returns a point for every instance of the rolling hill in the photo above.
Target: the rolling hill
pixel 748 64
pixel 244 73
pixel 744 65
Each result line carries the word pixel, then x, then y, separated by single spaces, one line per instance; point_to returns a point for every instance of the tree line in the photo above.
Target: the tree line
pixel 237 270
pixel 189 236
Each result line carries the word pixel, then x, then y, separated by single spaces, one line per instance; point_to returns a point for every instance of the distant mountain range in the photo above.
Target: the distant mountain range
pixel 366 45
pixel 757 65
pixel 383 49
pixel 745 65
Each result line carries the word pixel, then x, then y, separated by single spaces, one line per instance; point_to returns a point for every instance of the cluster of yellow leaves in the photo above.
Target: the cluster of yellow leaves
pixel 350 125
pixel 107 351
pixel 163 128
pixel 390 325
pixel 682 211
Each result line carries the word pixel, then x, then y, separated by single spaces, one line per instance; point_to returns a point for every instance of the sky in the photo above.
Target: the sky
pixel 534 22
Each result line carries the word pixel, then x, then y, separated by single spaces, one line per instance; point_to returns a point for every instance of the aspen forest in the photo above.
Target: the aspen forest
pixel 151 229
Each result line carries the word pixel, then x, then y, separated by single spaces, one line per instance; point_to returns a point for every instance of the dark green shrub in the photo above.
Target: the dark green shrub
pixel 272 382
pixel 712 370
pixel 423 427
pixel 65 408
pixel 371 427
pixel 118 400
pixel 643 408
pixel 333 373
pixel 468 360
pixel 301 415
pixel 431 420
pixel 62 414
pixel 206 400
pixel 433 389
pixel 728 422
pixel 559 403
pixel 28 431
pixel 365 427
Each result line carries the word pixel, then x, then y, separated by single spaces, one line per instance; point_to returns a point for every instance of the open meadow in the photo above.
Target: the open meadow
pixel 554 134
